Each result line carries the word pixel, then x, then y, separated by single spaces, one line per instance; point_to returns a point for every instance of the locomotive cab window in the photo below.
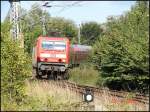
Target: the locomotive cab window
pixel 54 45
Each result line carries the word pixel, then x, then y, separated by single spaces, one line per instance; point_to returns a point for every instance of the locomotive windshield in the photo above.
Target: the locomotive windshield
pixel 54 45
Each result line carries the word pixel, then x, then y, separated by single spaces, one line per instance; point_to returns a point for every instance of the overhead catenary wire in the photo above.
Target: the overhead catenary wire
pixel 46 5
pixel 64 7
pixel 68 6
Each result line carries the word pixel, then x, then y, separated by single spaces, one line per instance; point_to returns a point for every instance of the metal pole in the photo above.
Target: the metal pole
pixel 45 5
pixel 14 19
pixel 79 35
pixel 43 21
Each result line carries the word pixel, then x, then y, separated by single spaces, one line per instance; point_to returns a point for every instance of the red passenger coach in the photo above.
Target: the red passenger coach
pixel 78 54
pixel 51 56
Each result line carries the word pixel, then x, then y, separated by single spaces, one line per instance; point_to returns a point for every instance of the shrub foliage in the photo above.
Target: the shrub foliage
pixel 122 53
pixel 15 67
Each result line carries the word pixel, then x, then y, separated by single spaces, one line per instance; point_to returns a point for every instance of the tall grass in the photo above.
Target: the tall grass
pixel 50 96
pixel 44 96
pixel 85 74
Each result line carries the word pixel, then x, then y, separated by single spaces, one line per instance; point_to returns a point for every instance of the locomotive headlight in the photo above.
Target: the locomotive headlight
pixel 41 59
pixel 60 55
pixel 44 55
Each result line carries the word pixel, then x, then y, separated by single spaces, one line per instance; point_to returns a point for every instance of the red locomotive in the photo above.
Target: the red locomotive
pixel 52 56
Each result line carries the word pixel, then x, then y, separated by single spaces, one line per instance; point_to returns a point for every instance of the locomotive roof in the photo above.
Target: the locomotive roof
pixel 81 47
pixel 52 38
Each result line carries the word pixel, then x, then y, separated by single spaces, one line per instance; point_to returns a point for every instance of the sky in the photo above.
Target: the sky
pixel 84 11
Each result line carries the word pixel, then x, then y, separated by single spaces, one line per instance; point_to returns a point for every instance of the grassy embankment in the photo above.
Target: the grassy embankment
pixel 45 96
pixel 85 74
pixel 49 96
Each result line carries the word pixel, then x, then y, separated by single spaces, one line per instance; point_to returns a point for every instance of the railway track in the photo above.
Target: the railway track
pixel 98 92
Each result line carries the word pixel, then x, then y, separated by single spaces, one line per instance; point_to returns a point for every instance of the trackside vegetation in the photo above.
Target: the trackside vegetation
pixel 85 74
pixel 15 69
pixel 121 54
pixel 119 59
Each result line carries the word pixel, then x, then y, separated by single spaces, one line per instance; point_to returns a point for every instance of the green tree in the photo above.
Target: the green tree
pixel 67 28
pixel 121 54
pixel 15 67
pixel 31 25
pixel 90 31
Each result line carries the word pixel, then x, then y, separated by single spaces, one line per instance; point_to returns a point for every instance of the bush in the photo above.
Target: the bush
pixel 121 54
pixel 15 68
